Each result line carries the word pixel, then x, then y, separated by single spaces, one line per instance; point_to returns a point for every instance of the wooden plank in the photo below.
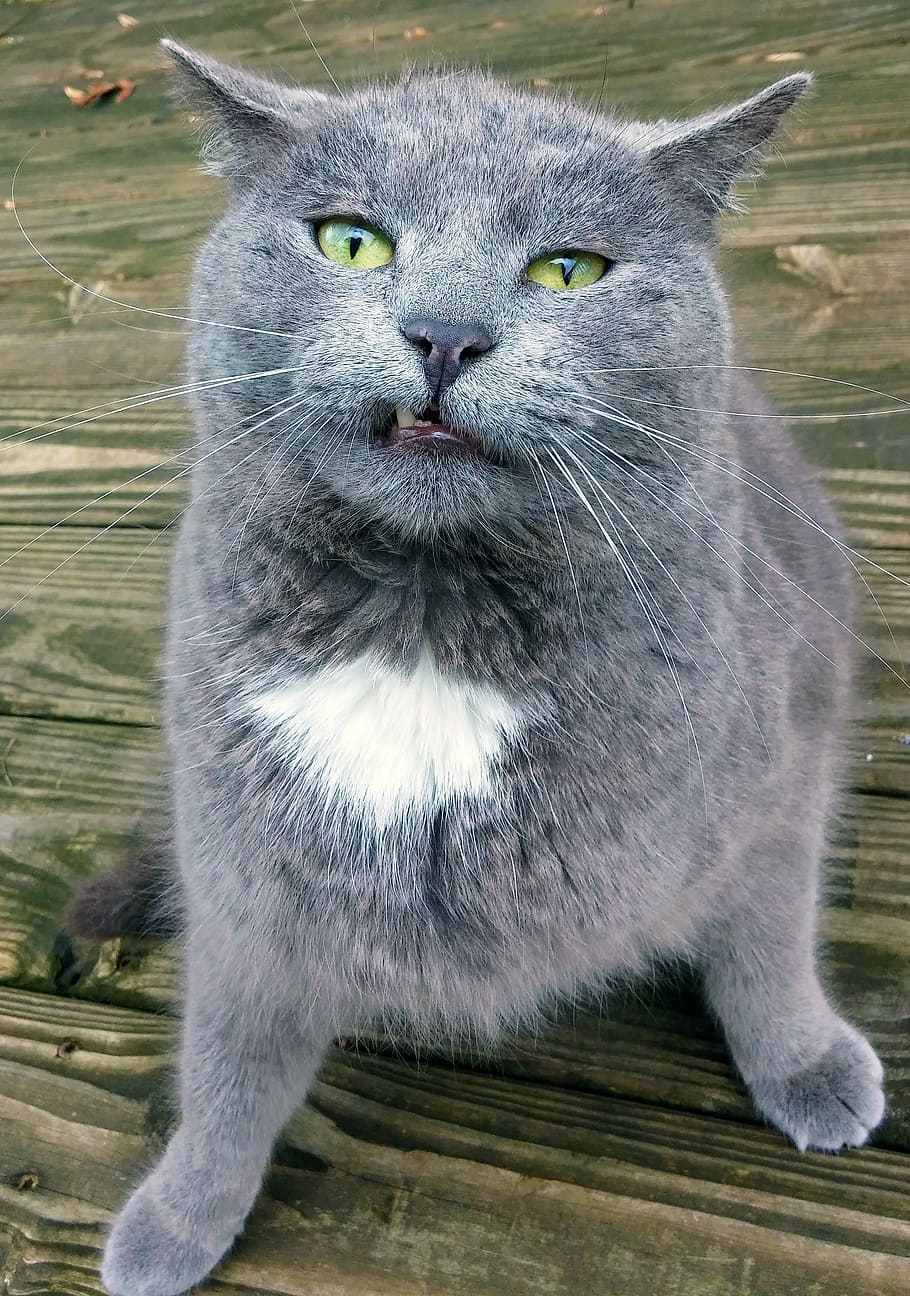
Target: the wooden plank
pixel 400 1179
pixel 71 798
pixel 83 637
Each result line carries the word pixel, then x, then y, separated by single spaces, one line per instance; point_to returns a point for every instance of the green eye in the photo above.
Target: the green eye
pixel 565 270
pixel 348 243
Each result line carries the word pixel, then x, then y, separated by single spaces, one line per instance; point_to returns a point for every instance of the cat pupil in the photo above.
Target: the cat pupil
pixel 568 268
pixel 354 244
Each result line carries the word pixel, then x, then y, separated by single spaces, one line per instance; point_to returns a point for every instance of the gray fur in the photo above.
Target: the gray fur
pixel 609 842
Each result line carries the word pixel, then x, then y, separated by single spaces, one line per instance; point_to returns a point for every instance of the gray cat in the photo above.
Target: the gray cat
pixel 493 670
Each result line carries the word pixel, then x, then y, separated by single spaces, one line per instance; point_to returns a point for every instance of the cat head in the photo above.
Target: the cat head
pixel 458 281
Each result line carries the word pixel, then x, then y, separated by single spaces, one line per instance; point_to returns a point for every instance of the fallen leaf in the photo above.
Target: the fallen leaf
pixel 125 20
pixel 814 262
pixel 785 56
pixel 98 90
pixel 499 24
pixel 541 81
pixel 9 204
pixel 27 1181
pixel 95 75
pixel 78 98
pixel 415 33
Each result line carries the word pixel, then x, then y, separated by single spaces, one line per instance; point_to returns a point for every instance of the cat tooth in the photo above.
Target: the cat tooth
pixel 404 417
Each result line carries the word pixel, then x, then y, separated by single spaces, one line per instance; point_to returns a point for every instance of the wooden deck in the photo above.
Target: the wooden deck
pixel 617 1154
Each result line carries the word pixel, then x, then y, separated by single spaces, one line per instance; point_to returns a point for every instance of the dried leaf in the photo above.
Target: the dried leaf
pixel 94 75
pixel 98 90
pixel 415 33
pixel 814 262
pixel 785 56
pixel 78 98
pixel 9 204
pixel 126 21
pixel 28 1181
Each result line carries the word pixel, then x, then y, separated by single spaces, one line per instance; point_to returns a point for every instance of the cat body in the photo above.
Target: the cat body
pixel 476 830
pixel 469 715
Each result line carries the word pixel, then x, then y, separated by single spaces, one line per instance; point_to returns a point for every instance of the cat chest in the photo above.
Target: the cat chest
pixel 389 743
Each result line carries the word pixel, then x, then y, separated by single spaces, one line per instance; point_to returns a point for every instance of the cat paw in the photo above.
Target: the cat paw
pixel 835 1103
pixel 150 1252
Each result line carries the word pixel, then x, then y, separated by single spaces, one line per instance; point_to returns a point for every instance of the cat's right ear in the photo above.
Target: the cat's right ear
pixel 245 119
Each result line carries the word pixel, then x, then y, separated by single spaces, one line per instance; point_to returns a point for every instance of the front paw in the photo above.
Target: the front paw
pixel 834 1103
pixel 152 1251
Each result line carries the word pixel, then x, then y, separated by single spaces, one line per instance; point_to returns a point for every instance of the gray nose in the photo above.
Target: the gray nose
pixel 445 348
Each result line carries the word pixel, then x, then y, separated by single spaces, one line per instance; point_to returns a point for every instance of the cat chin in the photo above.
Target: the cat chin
pixel 427 493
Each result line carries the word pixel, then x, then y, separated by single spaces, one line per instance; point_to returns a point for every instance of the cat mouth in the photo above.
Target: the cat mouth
pixel 426 432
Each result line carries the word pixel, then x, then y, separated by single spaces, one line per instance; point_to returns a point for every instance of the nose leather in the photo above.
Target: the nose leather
pixel 445 348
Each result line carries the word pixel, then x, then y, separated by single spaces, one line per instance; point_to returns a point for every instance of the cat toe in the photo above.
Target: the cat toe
pixel 149 1254
pixel 834 1103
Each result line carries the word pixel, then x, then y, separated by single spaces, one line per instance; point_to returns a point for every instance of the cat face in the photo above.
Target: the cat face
pixel 448 251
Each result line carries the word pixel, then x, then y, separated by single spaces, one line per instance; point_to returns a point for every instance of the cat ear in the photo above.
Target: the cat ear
pixel 703 157
pixel 245 118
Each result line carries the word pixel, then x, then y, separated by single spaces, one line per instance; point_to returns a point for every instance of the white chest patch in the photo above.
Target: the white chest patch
pixel 389 742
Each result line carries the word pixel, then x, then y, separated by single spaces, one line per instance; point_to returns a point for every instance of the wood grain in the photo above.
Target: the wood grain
pixel 616 1155
pixel 421 1180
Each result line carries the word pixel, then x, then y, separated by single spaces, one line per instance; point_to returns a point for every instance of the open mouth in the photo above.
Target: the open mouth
pixel 426 432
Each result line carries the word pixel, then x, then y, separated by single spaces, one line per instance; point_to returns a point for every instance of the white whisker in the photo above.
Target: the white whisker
pixel 640 596
pixel 535 461
pixel 741 545
pixel 616 508
pixel 775 496
pixel 900 406
pixel 127 403
pixel 119 520
pixel 113 301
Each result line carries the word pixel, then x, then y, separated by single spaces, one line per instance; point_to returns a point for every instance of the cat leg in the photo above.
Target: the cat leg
pixel 246 1063
pixel 810 1073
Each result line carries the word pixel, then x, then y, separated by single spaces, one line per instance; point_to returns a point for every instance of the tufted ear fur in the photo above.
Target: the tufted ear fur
pixel 702 158
pixel 245 118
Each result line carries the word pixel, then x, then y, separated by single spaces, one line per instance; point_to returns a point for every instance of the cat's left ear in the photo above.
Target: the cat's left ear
pixel 702 158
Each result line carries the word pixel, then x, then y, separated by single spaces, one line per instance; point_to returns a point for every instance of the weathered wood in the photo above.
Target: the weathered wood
pixel 617 1153
pixel 83 638
pixel 400 1179
pixel 71 798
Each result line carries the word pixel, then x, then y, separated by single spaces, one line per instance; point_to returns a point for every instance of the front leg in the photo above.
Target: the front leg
pixel 811 1073
pixel 248 1057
